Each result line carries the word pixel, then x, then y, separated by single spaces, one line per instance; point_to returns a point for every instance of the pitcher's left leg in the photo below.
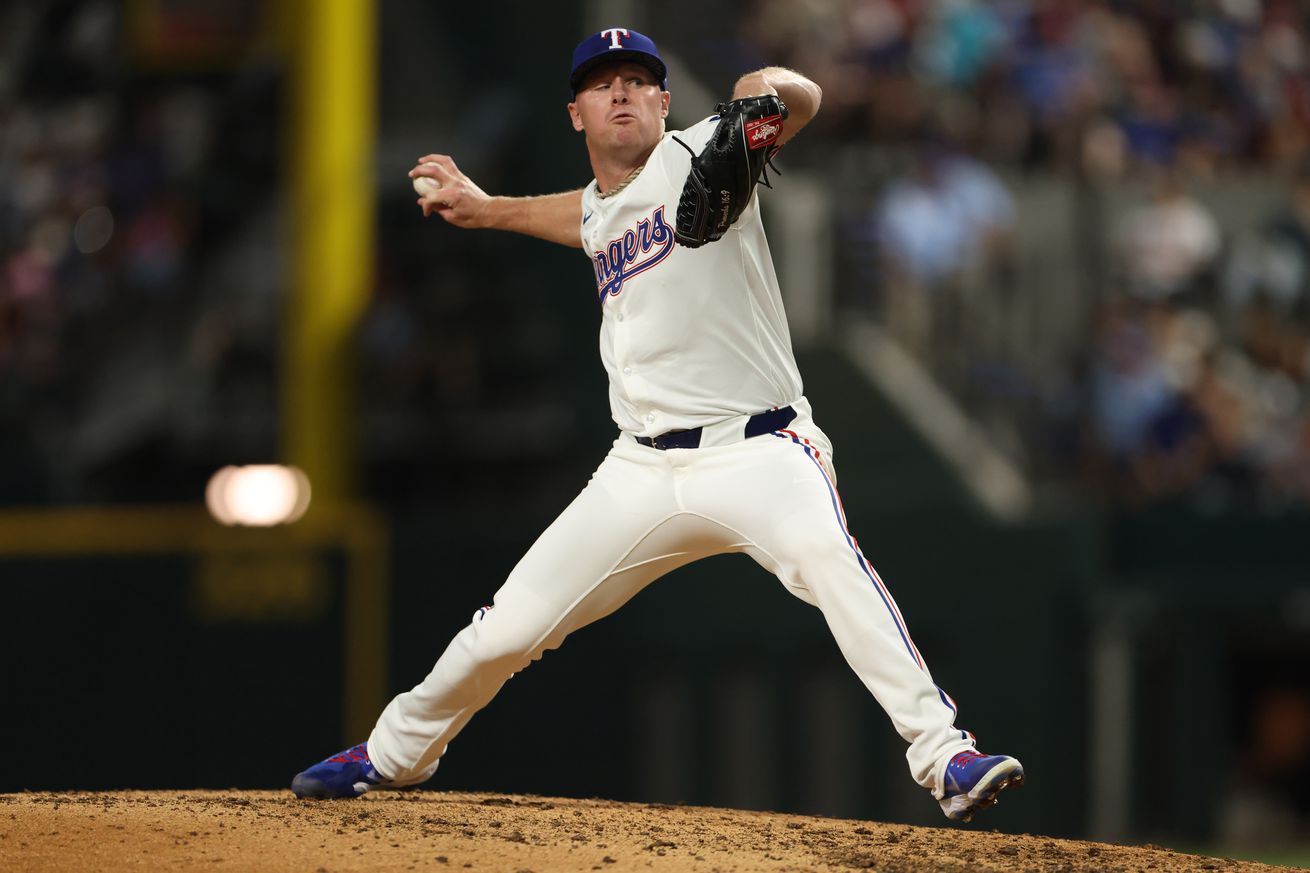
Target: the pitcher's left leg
pixel 779 493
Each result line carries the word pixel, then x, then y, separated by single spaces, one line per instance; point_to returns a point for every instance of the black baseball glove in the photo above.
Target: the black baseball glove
pixel 723 176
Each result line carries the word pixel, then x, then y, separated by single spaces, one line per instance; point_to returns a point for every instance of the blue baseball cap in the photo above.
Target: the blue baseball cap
pixel 617 44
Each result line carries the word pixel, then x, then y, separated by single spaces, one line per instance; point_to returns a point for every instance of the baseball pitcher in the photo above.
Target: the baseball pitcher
pixel 717 449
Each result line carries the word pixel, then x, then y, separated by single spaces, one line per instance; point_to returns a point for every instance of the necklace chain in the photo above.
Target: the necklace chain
pixel 625 183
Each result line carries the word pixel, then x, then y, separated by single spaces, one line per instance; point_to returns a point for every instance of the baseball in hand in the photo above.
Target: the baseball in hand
pixel 426 185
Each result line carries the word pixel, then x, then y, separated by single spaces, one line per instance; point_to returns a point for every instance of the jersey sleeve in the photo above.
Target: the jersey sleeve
pixel 588 206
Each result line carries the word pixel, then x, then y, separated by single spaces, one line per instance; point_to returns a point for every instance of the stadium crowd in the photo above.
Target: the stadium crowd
pixel 116 184
pixel 1194 379
pixel 1190 378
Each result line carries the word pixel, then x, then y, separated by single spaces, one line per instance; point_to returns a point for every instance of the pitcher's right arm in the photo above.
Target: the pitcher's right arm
pixel 552 217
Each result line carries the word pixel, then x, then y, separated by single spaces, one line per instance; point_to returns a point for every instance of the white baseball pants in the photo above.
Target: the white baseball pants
pixel 646 512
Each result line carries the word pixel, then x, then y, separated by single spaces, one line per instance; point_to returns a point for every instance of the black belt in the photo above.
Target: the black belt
pixel 757 425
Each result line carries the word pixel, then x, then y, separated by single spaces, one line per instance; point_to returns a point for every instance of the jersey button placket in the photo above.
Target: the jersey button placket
pixel 620 351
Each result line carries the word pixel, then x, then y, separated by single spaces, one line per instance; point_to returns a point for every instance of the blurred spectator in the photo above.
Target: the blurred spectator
pixel 959 41
pixel 1168 243
pixel 1130 387
pixel 1272 266
pixel 944 216
pixel 941 221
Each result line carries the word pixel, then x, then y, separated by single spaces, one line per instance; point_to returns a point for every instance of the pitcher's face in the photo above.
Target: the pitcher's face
pixel 620 107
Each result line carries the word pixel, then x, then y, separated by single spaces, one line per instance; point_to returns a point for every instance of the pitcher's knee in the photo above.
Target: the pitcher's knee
pixel 496 640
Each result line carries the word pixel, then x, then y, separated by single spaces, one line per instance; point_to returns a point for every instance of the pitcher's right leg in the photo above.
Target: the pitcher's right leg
pixel 621 533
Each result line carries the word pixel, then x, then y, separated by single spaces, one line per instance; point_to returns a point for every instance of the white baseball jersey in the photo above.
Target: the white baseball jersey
pixel 689 337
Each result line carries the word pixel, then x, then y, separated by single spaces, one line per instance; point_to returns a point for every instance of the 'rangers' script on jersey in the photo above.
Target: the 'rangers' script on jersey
pixel 634 251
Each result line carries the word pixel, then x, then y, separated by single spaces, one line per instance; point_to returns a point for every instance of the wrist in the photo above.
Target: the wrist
pixel 756 84
pixel 493 212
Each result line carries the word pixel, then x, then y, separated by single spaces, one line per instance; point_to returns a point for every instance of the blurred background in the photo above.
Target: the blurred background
pixel 1047 265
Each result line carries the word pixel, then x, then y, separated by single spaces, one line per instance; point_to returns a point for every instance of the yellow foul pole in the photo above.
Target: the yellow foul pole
pixel 333 125
pixel 332 233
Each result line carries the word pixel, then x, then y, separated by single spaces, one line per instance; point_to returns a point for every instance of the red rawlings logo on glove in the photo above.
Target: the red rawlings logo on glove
pixel 763 131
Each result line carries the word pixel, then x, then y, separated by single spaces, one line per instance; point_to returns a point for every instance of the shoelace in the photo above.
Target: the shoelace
pixel 964 758
pixel 351 756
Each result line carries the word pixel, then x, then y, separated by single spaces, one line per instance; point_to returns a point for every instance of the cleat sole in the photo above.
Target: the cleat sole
pixel 309 788
pixel 983 796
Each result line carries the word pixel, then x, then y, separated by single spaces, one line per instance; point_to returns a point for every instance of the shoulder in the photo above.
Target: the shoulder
pixel 677 147
pixel 697 134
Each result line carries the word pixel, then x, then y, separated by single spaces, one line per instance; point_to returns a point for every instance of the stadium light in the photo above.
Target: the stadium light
pixel 257 495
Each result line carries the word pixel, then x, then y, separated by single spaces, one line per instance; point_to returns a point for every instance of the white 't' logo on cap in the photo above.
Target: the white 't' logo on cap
pixel 613 34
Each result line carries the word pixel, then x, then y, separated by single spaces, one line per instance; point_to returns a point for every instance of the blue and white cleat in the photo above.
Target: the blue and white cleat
pixel 347 774
pixel 973 781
